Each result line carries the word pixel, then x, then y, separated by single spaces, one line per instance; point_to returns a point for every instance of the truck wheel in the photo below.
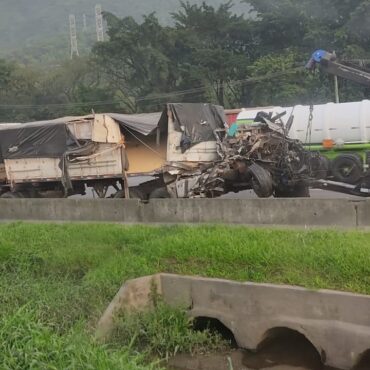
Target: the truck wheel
pixel 160 193
pixel 320 167
pixel 261 181
pixel 134 194
pixel 347 168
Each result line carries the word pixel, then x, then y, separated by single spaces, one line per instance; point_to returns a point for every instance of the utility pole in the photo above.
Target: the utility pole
pixel 84 22
pixel 99 23
pixel 73 36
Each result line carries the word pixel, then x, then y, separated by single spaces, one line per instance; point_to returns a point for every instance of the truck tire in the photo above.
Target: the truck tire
pixel 134 194
pixel 347 168
pixel 320 167
pixel 261 181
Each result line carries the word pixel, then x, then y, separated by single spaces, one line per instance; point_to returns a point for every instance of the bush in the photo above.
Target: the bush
pixel 164 332
pixel 26 343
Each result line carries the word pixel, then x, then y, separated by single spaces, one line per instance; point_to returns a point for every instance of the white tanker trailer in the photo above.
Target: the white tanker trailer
pixel 341 132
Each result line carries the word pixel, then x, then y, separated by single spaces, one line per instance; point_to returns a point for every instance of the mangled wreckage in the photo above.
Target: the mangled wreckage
pixel 257 156
pixel 187 150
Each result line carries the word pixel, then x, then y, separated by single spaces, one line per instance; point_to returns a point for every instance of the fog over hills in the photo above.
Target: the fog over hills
pixel 26 23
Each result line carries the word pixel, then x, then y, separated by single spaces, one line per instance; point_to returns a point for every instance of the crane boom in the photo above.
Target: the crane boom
pixel 328 63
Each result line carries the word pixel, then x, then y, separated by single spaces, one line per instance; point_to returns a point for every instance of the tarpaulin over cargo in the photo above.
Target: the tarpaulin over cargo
pixel 144 123
pixel 197 121
pixel 50 140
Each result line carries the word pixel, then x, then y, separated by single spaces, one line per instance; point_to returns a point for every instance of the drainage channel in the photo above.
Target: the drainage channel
pixel 290 351
pixel 291 328
pixel 244 360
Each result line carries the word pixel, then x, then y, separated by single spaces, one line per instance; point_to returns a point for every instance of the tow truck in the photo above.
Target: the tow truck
pixel 328 63
pixel 353 167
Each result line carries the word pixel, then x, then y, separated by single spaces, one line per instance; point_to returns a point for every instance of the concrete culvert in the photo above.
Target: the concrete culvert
pixel 364 361
pixel 217 327
pixel 284 346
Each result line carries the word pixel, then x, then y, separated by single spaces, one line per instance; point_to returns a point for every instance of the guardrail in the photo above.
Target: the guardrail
pixel 268 212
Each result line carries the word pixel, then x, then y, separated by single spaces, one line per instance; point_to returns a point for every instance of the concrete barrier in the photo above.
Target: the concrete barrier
pixel 295 212
pixel 336 323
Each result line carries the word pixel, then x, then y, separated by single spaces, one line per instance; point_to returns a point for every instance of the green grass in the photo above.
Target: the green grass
pixel 27 343
pixel 163 333
pixel 63 276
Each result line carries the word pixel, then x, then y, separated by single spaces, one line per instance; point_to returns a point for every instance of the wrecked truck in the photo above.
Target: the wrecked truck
pixel 187 151
pixel 63 157
pixel 203 160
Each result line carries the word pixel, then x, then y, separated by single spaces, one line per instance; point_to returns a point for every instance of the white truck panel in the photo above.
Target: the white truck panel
pixel 105 163
pixel 106 130
pixel 100 129
pixel 81 130
pixel 203 152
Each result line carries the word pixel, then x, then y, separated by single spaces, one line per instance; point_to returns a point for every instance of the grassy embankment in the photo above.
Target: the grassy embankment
pixel 55 281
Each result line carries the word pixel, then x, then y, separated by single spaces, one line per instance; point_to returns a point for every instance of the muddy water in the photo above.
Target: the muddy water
pixel 282 354
pixel 240 360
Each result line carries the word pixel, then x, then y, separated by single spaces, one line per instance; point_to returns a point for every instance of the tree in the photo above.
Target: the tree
pixel 17 86
pixel 203 54
pixel 78 88
pixel 137 59
pixel 285 26
pixel 218 44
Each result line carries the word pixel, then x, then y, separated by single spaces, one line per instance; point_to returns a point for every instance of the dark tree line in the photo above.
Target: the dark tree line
pixel 207 54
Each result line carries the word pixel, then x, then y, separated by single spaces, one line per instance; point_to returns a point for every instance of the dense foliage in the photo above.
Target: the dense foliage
pixel 205 53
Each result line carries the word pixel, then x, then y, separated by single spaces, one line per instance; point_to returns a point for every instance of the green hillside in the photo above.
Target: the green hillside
pixel 39 27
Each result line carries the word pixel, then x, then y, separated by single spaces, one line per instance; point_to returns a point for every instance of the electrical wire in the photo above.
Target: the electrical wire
pixel 155 97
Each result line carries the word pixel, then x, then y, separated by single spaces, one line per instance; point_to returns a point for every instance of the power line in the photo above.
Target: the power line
pixel 157 96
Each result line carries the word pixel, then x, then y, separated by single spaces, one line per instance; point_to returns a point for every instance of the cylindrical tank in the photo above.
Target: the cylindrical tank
pixel 345 123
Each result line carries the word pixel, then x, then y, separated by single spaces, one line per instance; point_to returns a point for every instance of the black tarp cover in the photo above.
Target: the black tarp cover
pixel 144 123
pixel 32 140
pixel 197 121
